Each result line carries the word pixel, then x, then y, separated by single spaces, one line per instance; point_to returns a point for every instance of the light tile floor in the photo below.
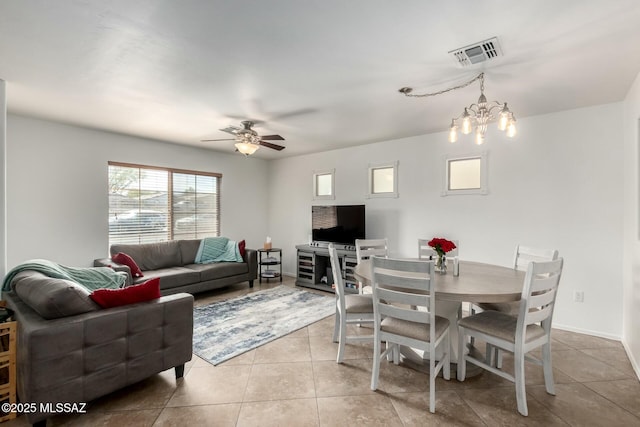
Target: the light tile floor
pixel 295 381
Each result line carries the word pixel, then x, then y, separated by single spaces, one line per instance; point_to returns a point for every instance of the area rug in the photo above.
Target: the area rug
pixel 225 329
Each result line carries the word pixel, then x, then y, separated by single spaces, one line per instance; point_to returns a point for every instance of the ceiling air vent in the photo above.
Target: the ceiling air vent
pixel 477 52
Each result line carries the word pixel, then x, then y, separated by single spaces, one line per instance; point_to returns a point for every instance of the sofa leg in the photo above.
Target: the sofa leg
pixel 179 371
pixel 251 283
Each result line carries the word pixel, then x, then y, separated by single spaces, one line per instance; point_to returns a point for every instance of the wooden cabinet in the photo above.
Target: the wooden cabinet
pixel 7 366
pixel 314 268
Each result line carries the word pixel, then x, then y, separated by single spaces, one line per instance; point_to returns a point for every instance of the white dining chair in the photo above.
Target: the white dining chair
pixel 398 285
pixel 366 248
pixel 425 251
pixel 519 335
pixel 349 309
pixel 524 255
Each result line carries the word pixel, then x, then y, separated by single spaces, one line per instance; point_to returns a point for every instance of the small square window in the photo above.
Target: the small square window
pixel 383 180
pixel 465 174
pixel 323 185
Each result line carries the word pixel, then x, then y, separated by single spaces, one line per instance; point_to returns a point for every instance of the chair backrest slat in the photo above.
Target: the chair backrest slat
pixel 537 316
pixel 427 252
pixel 403 297
pixel 542 283
pixel 403 266
pixel 526 254
pixel 367 248
pixel 540 300
pixel 404 314
pixel 401 282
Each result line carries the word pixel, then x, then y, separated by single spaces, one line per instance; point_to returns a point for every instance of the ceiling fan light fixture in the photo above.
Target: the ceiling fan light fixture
pixel 247 140
pixel 246 148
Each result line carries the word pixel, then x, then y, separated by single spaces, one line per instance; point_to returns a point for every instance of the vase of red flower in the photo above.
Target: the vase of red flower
pixel 441 246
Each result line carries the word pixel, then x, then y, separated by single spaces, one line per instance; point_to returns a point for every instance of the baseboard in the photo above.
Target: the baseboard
pixel 587 332
pixel 634 363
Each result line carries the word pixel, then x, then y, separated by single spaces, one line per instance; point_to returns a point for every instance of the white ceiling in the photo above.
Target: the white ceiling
pixel 324 74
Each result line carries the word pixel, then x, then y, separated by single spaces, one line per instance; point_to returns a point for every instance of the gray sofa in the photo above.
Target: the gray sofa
pixel 80 357
pixel 173 262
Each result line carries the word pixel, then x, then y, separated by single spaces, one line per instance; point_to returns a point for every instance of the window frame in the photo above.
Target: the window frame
pixel 170 195
pixel 324 172
pixel 386 165
pixel 448 158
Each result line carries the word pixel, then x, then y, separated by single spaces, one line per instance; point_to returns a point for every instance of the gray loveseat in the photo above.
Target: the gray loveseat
pixel 173 262
pixel 76 358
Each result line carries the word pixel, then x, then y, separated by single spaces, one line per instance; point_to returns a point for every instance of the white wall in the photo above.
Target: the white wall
pixel 3 170
pixel 631 291
pixel 57 202
pixel 557 185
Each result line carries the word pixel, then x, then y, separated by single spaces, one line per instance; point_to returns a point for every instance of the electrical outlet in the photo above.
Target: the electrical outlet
pixel 578 296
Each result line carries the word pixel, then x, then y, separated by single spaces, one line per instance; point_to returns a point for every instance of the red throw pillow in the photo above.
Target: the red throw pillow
pixel 241 246
pixel 124 259
pixel 107 298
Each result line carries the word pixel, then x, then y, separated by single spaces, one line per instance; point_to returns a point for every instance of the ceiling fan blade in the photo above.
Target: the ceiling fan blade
pixel 270 145
pixel 295 113
pixel 272 138
pixel 211 140
pixel 231 129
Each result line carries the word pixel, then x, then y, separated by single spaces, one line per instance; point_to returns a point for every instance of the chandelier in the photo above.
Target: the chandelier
pixel 248 143
pixel 476 115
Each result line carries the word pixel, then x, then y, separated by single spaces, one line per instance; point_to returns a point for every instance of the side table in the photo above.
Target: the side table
pixel 266 260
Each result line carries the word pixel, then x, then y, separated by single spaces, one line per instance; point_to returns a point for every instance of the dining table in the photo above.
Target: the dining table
pixel 475 283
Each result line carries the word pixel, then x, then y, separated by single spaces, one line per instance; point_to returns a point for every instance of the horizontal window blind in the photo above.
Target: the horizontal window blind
pixel 149 204
pixel 195 206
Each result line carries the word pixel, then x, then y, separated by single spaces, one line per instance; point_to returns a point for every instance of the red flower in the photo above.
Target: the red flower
pixel 441 246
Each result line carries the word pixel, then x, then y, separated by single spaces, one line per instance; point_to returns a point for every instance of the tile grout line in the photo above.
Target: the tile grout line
pixel 606 398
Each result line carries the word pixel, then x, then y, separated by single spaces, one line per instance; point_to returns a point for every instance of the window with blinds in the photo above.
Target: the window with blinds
pixel 149 204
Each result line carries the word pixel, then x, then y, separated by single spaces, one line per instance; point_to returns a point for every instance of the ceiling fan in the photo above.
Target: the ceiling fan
pixel 248 140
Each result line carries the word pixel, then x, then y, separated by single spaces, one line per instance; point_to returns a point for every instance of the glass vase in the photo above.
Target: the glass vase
pixel 441 264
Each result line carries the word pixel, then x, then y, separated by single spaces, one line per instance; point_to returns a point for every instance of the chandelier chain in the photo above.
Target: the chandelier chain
pixel 463 85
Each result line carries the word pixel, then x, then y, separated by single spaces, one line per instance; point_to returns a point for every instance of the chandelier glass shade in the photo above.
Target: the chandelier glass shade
pixel 476 117
pixel 247 143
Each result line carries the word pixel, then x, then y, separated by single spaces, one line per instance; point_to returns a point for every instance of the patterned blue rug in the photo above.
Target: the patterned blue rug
pixel 225 329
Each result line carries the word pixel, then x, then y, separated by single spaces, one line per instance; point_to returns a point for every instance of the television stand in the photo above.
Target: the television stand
pixel 314 267
pixel 338 246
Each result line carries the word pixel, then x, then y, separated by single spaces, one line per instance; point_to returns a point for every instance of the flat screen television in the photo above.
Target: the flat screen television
pixel 337 223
